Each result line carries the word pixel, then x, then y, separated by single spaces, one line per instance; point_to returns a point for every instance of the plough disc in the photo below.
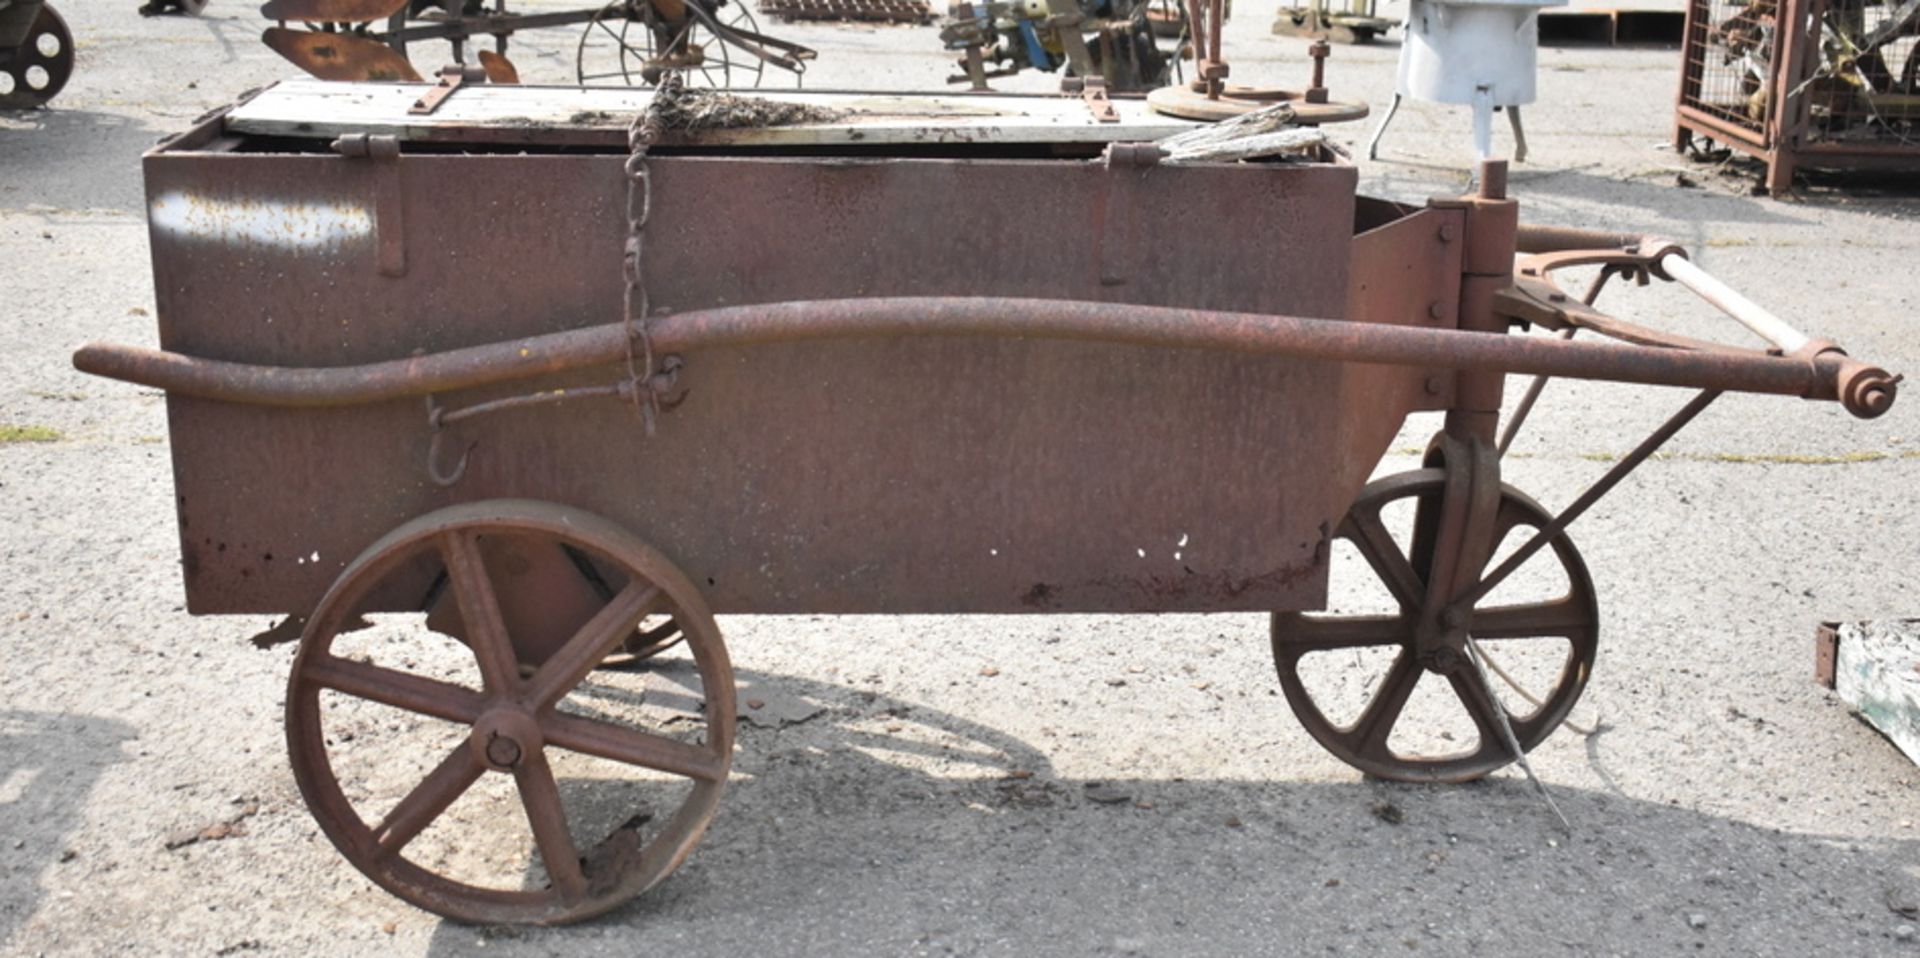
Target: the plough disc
pixel 499 68
pixel 339 56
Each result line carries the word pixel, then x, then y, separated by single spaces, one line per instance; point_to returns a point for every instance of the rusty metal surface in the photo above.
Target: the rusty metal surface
pixel 968 473
pixel 889 11
pixel 331 11
pixel 339 56
pixel 1826 652
pixel 1864 389
pixel 481 550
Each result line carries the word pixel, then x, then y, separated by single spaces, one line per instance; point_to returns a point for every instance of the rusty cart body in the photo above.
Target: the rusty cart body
pixel 568 384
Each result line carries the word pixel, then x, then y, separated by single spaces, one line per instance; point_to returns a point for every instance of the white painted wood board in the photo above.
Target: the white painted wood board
pixel 600 115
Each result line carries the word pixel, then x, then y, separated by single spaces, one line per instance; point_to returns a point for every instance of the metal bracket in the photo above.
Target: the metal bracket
pixel 1093 90
pixel 1117 231
pixel 1826 653
pixel 388 226
pixel 452 77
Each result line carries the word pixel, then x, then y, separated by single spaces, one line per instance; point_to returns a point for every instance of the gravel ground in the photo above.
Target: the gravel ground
pixel 1726 805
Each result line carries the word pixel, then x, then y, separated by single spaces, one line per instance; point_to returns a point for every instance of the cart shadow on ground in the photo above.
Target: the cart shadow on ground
pixel 48 766
pixel 46 152
pixel 881 825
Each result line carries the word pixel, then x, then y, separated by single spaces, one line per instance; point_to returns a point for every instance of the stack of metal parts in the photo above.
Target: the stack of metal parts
pixel 1110 42
pixel 1833 84
pixel 882 11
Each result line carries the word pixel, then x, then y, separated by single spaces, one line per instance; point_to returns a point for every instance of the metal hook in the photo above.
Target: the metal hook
pixel 443 480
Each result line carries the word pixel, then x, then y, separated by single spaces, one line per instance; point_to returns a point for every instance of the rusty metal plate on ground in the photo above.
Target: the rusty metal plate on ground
pixel 934 475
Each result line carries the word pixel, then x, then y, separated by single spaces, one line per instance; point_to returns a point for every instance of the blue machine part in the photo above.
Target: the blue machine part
pixel 1036 54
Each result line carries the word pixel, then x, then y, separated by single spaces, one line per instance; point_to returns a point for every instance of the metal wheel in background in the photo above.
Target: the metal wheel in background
pixel 36 70
pixel 623 45
pixel 509 745
pixel 1556 623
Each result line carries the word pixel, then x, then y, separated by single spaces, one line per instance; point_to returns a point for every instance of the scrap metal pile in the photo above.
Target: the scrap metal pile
pixel 1113 40
pixel 1868 67
pixel 1826 84
pixel 1357 21
pixel 885 11
pixel 629 42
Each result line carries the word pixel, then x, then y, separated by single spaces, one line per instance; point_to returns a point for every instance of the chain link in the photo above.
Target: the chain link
pixel 638 309
pixel 646 378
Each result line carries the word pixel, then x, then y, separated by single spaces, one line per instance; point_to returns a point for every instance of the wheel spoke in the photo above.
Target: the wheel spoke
pixel 633 747
pixel 486 632
pixel 1376 545
pixel 593 643
pixel 1314 633
pixel 413 693
pixel 1481 706
pixel 439 790
pixel 1371 728
pixel 548 818
pixel 1559 618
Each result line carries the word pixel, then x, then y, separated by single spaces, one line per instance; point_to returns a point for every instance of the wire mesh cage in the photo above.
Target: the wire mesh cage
pixel 1817 83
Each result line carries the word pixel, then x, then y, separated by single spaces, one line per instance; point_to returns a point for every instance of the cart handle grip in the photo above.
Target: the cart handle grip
pixel 1674 265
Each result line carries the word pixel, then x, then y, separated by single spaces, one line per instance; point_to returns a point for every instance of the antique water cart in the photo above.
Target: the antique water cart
pixel 550 385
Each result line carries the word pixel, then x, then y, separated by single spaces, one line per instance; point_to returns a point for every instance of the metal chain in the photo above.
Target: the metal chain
pixel 646 378
pixel 637 310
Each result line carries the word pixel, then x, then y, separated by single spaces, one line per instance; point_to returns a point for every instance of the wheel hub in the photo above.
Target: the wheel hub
pixel 1442 660
pixel 505 736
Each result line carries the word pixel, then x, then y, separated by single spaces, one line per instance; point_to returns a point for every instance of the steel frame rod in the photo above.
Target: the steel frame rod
pixel 1465 602
pixel 1539 383
pixel 1525 407
pixel 1815 377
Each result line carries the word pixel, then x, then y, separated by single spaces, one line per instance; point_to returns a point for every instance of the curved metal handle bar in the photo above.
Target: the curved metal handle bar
pixel 1818 376
pixel 1535 297
pixel 1550 248
pixel 1867 391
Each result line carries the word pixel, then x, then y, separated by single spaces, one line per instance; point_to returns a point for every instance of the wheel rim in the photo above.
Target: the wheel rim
pixel 1570 618
pixel 518 724
pixel 622 37
pixel 735 14
pixel 40 66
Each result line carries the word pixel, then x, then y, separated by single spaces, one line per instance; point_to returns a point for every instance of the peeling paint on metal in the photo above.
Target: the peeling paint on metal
pixel 277 223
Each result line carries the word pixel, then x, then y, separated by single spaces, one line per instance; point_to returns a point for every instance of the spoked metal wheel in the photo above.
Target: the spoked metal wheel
pixel 458 754
pixel 1545 618
pixel 629 43
pixel 40 66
